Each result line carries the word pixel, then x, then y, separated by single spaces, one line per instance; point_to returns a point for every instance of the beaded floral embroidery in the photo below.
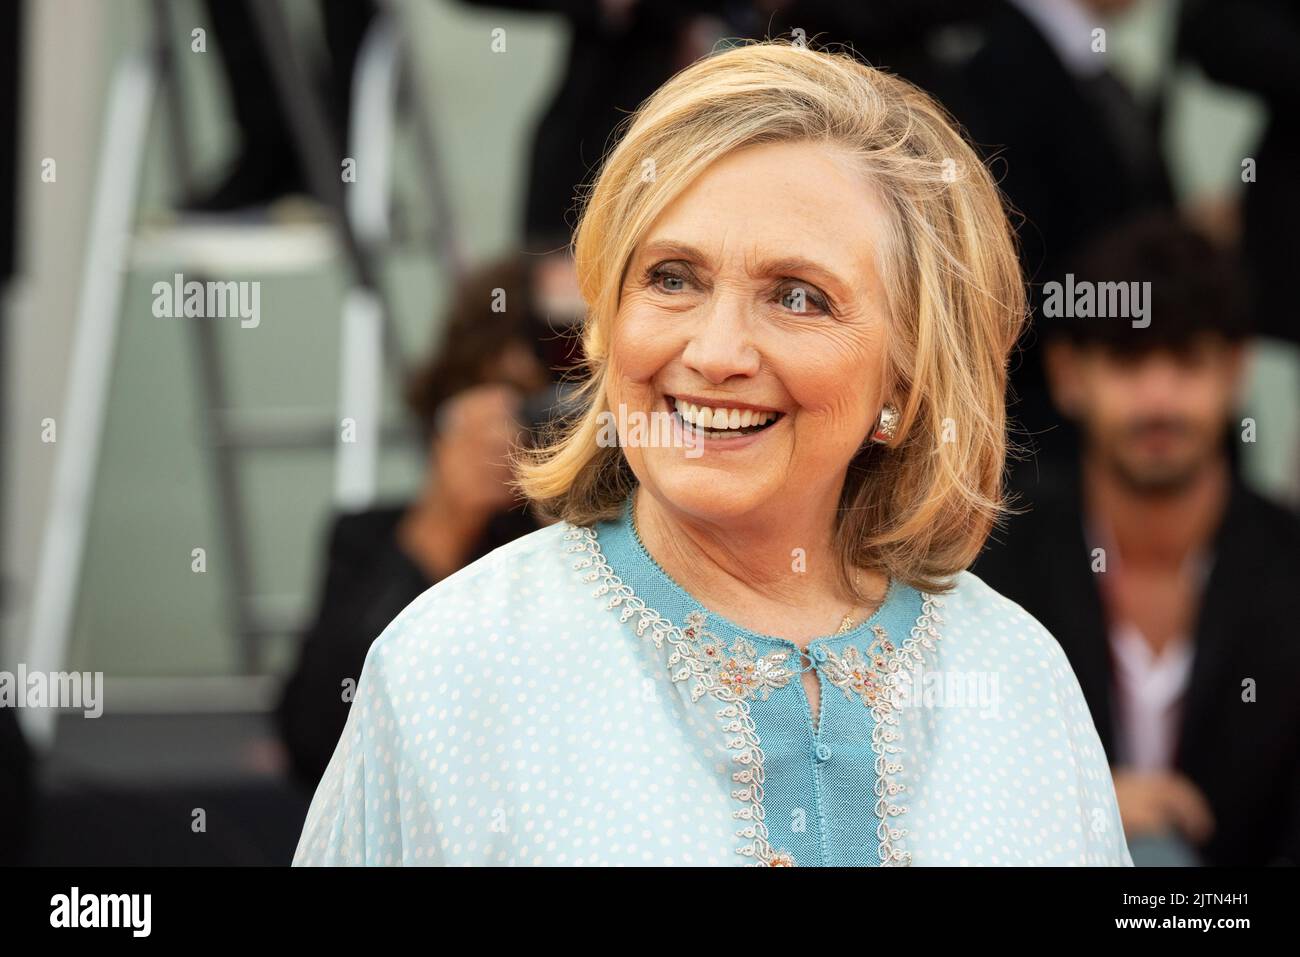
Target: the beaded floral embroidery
pixel 738 668
pixel 854 672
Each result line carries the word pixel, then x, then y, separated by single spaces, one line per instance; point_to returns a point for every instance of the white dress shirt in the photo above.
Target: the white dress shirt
pixel 1149 691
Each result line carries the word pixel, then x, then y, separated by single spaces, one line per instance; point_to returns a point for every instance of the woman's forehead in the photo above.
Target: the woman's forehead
pixel 775 209
pixel 776 200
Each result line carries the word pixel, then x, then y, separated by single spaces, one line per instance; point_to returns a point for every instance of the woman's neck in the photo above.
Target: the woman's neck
pixel 774 577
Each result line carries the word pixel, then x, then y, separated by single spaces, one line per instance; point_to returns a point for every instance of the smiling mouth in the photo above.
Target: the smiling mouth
pixel 721 422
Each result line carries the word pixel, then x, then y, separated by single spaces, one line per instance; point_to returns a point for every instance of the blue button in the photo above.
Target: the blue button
pixel 819 653
pixel 823 753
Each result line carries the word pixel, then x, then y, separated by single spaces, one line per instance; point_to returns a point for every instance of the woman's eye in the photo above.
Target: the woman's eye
pixel 668 280
pixel 798 297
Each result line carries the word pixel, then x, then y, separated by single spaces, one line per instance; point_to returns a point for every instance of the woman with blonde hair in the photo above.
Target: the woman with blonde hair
pixel 750 636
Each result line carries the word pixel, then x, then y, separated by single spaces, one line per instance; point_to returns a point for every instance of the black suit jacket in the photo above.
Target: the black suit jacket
pixel 1245 757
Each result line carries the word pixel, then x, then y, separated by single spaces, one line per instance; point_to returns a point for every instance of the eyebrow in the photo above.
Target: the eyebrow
pixel 784 266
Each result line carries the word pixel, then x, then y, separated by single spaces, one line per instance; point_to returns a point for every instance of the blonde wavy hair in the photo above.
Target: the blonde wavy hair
pixel 921 508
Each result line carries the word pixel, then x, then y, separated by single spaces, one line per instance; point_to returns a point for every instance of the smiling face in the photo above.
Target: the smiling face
pixel 753 310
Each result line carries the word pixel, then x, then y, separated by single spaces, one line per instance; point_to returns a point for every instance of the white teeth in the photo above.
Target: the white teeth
pixel 705 417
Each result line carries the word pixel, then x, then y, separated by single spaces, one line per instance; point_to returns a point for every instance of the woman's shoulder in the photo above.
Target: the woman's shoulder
pixel 511 586
pixel 986 622
pixel 1000 693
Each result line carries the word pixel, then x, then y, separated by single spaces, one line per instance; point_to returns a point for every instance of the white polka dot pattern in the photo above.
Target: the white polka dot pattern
pixel 507 717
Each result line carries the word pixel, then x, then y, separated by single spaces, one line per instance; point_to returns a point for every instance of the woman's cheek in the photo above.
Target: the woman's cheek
pixel 646 342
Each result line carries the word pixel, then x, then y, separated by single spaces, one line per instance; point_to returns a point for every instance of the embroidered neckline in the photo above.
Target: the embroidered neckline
pixel 739 667
pixel 687 661
pixel 856 672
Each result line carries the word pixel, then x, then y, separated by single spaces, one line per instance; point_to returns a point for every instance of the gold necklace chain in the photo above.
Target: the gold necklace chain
pixel 846 623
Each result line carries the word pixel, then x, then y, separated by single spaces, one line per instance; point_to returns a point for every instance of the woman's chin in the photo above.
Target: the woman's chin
pixel 720 499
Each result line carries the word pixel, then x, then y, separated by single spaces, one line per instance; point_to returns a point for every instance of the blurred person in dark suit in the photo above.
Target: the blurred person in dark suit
pixel 619 52
pixel 1170 585
pixel 1255 45
pixel 1072 148
pixel 472 400
pixel 267 166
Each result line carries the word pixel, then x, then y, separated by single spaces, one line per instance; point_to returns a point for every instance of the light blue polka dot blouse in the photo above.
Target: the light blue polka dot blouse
pixel 562 701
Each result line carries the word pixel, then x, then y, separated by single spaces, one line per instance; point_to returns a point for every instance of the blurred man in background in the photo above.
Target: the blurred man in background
pixel 1170 585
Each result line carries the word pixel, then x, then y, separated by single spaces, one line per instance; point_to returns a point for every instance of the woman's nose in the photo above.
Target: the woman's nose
pixel 721 345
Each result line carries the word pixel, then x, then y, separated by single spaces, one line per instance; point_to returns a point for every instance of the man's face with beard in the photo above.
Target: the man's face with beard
pixel 1155 418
